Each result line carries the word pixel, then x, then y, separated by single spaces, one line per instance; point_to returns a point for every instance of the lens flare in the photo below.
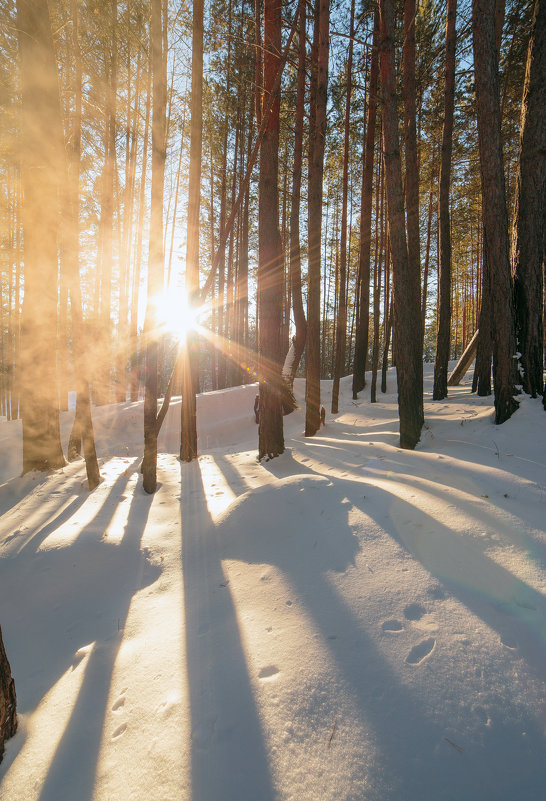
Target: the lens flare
pixel 175 314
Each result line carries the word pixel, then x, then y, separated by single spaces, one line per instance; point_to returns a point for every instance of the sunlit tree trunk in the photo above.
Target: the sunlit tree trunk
pixel 63 362
pixel 135 289
pixel 494 206
pixel 527 229
pixel 242 278
pixel 188 444
pixel 270 257
pixel 42 160
pixel 380 251
pixel 82 428
pixel 317 135
pixel 406 279
pixel 103 345
pixel 411 175
pixel 156 255
pixel 123 377
pixel 224 234
pixel 295 250
pixel 427 246
pixel 363 318
pixel 341 328
pixel 444 278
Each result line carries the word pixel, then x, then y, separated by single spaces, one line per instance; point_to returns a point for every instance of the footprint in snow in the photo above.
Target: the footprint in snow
pixel 118 703
pixel 268 672
pixel 414 612
pixel 119 731
pixel 392 626
pixel 421 651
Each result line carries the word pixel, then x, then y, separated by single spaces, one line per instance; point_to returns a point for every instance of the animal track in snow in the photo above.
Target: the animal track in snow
pixel 120 700
pixel 119 731
pixel 268 672
pixel 421 651
pixel 392 626
pixel 414 612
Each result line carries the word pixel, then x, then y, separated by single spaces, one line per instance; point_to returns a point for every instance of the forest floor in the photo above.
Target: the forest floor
pixel 348 622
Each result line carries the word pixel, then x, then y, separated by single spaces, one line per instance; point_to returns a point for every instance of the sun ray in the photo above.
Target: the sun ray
pixel 176 315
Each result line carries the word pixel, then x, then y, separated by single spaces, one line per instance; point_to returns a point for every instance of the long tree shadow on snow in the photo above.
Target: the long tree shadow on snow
pixel 228 756
pixel 305 550
pixel 83 592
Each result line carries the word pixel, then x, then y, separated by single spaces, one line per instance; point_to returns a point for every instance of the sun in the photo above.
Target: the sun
pixel 175 314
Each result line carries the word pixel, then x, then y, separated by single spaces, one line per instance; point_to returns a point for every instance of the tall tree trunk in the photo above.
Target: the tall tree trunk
pixel 341 328
pixel 317 136
pixel 270 257
pixel 104 352
pixel 363 318
pixel 444 279
pixel 295 250
pixel 8 701
pixel 377 299
pixel 406 279
pixel 42 159
pixel 527 229
pixel 427 246
pixel 156 255
pixel 188 444
pixel 411 175
pixel 135 289
pixel 481 382
pixel 82 429
pixel 387 327
pixel 494 206
pixel 124 358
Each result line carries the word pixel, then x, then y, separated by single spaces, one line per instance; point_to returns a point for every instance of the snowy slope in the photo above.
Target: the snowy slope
pixel 348 621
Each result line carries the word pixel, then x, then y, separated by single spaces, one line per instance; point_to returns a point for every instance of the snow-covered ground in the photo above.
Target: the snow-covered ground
pixel 348 621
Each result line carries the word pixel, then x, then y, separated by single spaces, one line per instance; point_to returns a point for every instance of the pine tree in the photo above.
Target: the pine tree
pixel 42 168
pixel 317 136
pixel 406 280
pixel 270 259
pixel 494 206
pixel 527 228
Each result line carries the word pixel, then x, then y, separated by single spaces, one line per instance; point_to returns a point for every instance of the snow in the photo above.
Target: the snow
pixel 349 621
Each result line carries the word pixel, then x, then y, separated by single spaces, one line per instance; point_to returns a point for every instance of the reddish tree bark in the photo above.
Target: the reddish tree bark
pixel 444 278
pixel 156 256
pixel 341 322
pixel 494 206
pixel 295 251
pixel 527 229
pixel 270 256
pixel 188 443
pixel 406 279
pixel 411 175
pixel 317 135
pixel 363 319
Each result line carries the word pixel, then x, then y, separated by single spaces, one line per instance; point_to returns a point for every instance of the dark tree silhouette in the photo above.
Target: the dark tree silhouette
pixel 527 230
pixel 494 206
pixel 406 280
